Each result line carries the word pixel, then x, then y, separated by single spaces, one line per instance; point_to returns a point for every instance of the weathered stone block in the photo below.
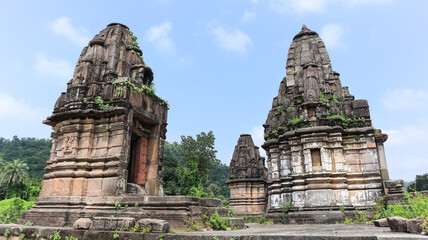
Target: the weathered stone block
pixel 79 187
pixel 414 225
pixel 237 223
pixel 155 225
pixel 82 223
pixel 381 222
pixel 112 223
pixel 397 224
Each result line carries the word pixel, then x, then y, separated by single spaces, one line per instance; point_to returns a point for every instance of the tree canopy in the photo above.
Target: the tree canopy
pixel 34 152
pixel 420 184
pixel 191 168
pixel 14 173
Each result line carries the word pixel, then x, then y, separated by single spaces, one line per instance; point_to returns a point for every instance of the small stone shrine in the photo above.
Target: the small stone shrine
pixel 247 178
pixel 108 135
pixel 323 152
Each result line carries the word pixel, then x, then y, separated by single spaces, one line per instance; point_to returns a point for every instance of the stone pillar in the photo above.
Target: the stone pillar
pixel 380 139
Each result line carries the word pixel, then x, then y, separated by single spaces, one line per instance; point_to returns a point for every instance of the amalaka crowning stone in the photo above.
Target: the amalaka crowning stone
pixel 107 143
pixel 323 152
pixel 247 178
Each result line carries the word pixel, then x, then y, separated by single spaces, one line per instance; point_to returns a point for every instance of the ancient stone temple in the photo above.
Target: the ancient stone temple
pixel 323 152
pixel 247 178
pixel 108 135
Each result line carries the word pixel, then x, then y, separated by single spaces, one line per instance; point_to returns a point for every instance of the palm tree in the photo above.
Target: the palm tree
pixel 14 173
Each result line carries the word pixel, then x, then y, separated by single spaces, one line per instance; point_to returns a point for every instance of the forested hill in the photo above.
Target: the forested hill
pixel 35 152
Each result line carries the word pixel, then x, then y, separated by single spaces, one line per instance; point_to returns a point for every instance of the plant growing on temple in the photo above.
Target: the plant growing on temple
pixel 290 107
pixel 323 98
pixel 285 207
pixel 101 105
pixel 279 111
pixel 335 100
pixel 116 234
pixel 296 121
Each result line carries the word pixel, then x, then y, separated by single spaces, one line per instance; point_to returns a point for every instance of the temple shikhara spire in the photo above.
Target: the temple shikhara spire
pixel 323 152
pixel 108 133
pixel 247 177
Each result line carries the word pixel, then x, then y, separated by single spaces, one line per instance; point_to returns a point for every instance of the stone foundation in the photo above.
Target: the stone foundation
pixel 178 211
pixel 247 197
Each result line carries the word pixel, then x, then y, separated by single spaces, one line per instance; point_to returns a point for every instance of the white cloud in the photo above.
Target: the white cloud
pixel 353 3
pixel 18 109
pixel 63 27
pixel 257 133
pixel 397 99
pixel 22 119
pixel 234 40
pixel 405 151
pixel 51 67
pixel 248 16
pixel 298 6
pixel 159 35
pixel 318 6
pixel 331 35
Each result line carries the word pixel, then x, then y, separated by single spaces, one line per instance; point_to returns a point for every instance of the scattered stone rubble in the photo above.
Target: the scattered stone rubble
pixel 400 224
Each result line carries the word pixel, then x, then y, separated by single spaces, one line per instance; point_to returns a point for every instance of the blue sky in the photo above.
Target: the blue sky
pixel 219 63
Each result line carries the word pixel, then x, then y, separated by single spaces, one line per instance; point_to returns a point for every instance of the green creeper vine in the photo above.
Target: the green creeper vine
pixel 279 111
pixel 100 102
pixel 121 86
pixel 296 121
pixel 290 107
pixel 133 42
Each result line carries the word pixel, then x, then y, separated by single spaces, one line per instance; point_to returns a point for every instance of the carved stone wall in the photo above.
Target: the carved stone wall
pixel 322 151
pixel 247 176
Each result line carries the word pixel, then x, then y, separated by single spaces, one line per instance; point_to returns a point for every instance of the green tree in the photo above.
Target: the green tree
pixel 198 157
pixel 219 174
pixel 171 160
pixel 200 151
pixel 14 173
pixel 420 184
pixel 32 151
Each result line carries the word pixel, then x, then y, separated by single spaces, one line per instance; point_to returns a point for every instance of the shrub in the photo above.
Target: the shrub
pixel 413 206
pixel 11 209
pixel 216 222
